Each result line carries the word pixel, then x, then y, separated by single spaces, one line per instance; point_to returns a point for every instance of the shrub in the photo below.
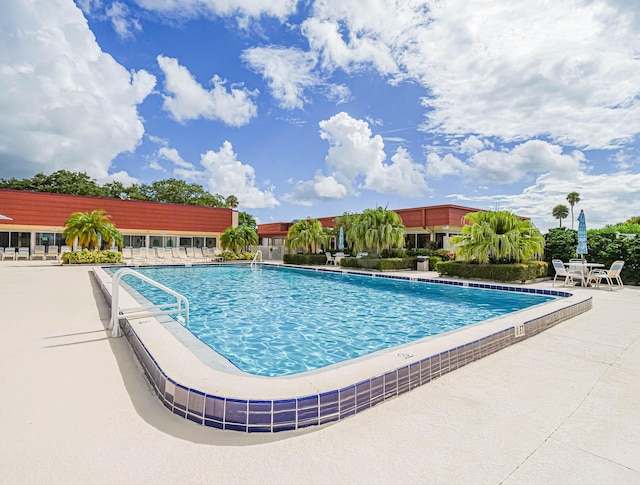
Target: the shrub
pixel 495 272
pixel 242 256
pixel 380 264
pixel 305 259
pixel 91 257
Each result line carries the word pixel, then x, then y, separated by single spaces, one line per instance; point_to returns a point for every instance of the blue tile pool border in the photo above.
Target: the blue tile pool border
pixel 270 416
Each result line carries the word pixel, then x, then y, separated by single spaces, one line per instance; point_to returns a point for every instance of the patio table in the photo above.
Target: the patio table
pixel 584 268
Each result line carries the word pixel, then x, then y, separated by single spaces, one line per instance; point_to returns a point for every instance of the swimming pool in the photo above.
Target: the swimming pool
pixel 272 321
pixel 196 383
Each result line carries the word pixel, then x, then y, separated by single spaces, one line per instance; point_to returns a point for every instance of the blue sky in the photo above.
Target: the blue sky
pixel 316 107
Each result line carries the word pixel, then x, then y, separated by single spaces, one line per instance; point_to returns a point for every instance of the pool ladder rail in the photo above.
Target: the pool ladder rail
pixel 253 261
pixel 181 305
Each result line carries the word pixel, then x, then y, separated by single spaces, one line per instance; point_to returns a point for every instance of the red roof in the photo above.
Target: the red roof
pixel 44 209
pixel 435 215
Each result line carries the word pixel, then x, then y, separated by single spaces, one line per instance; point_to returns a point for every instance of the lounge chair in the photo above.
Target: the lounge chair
pixel 611 275
pixel 213 254
pixel 64 249
pixel 561 270
pixel 39 252
pixel 52 252
pixel 127 255
pixel 9 253
pixel 330 259
pixel 23 253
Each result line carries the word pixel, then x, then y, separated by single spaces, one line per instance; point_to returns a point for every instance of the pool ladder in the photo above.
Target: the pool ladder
pixel 253 261
pixel 180 306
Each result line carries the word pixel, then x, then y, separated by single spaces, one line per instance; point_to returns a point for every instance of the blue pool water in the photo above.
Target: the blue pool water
pixel 273 321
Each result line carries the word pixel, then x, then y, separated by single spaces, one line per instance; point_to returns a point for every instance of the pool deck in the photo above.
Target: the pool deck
pixel 560 407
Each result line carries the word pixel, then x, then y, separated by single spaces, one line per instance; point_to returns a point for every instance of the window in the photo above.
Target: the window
pixel 20 239
pixel 45 238
pixel 198 242
pixel 4 239
pixel 211 242
pixel 156 241
pixel 135 241
pixel 170 242
pixel 186 242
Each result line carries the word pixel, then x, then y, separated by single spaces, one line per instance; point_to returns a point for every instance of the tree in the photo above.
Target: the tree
pixel 249 235
pixel 231 201
pixel 573 198
pixel 307 234
pixel 60 182
pixel 233 239
pixel 246 219
pixel 377 230
pixel 346 221
pixel 498 237
pixel 560 212
pixel 90 228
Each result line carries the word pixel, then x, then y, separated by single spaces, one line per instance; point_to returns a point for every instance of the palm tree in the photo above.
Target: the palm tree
pixel 234 239
pixel 498 237
pixel 377 229
pixel 250 236
pixel 560 212
pixel 90 228
pixel 308 234
pixel 573 198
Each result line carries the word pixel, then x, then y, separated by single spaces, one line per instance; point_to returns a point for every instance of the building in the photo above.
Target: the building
pixel 28 219
pixel 425 226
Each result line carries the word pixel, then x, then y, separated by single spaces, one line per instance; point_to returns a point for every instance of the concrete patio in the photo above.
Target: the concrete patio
pixel 561 407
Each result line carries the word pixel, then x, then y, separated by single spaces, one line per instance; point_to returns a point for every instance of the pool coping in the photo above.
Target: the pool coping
pixel 239 401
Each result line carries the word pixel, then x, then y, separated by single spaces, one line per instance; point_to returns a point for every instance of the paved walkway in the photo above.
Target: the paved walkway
pixel 562 407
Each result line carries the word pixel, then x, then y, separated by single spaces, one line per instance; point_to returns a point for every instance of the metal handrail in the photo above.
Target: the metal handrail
pixel 142 310
pixel 253 261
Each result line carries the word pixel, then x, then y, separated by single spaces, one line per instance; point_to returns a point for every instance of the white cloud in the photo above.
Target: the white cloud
pixel 194 8
pixel 322 187
pixel 510 70
pixel 598 195
pixel 507 166
pixel 122 21
pixel 65 103
pixel 288 72
pixel 356 159
pixel 402 176
pixel 172 155
pixel 226 175
pixel 120 176
pixel 187 99
pixel 471 144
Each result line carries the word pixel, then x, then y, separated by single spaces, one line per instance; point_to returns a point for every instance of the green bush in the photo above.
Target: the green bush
pixel 380 264
pixel 91 257
pixel 305 259
pixel 494 272
pixel 241 256
pixel 604 247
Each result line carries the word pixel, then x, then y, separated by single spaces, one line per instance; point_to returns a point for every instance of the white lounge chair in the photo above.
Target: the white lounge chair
pixel 561 271
pixel 52 252
pixel 611 275
pixel 330 259
pixel 23 253
pixel 64 249
pixel 39 252
pixel 9 253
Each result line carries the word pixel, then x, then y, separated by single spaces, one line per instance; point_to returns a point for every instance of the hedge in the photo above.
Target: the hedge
pixel 306 259
pixel 91 257
pixel 494 272
pixel 382 264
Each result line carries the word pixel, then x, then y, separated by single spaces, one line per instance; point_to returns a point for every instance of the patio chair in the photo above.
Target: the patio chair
pixel 611 275
pixel 64 249
pixel 330 259
pixel 9 253
pixel 561 270
pixel 23 253
pixel 39 252
pixel 52 252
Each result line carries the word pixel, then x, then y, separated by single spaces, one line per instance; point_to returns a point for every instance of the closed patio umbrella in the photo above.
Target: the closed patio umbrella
pixel 582 235
pixel 341 239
